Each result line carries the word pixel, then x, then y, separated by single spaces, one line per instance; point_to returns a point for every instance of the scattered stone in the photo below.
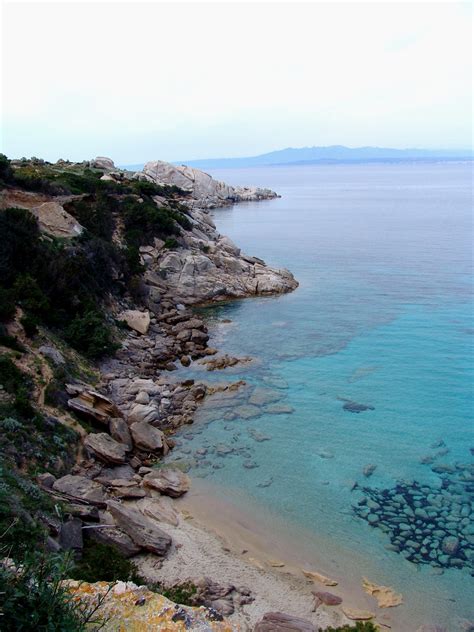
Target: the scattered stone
pixel 46 480
pixel 369 470
pixel 247 411
pixel 279 409
pixel 386 597
pixel 119 431
pixel 280 622
pixel 318 577
pixel 146 437
pixel 261 396
pixel 355 407
pixel 357 615
pixel 136 320
pixel 52 354
pixel 143 413
pixel 450 545
pixel 326 598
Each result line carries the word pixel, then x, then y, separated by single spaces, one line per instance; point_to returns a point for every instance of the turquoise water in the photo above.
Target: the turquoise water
pixel 382 318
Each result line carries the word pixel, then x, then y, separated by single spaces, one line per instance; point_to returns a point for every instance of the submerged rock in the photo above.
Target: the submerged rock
pixel 355 407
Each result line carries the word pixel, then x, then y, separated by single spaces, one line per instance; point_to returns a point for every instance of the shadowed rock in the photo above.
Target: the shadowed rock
pixel 142 530
pixel 280 622
pixel 81 488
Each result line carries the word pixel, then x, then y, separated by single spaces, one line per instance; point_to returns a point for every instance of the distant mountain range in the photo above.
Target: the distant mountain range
pixel 328 155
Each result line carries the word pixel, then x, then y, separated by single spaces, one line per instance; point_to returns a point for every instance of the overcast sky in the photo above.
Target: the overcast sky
pixel 140 81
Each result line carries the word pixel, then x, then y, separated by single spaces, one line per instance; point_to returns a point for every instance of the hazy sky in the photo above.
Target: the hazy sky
pixel 139 81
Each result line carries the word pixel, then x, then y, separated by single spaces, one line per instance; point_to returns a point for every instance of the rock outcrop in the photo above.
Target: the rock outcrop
pixel 209 267
pixel 204 190
pixel 126 606
pixel 54 220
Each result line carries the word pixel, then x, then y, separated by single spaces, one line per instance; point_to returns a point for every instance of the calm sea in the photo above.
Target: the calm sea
pixel 382 318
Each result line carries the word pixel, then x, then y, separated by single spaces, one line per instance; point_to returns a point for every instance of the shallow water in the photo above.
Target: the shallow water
pixel 382 318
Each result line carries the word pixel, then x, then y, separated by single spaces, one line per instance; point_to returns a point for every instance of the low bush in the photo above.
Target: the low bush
pixel 91 335
pixel 30 325
pixel 101 562
pixel 180 593
pixel 7 304
pixel 9 341
pixel 34 598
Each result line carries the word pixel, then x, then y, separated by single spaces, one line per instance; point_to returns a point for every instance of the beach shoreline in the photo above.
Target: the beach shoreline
pixel 234 544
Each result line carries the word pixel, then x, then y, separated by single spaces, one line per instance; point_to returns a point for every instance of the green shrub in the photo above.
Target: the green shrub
pixel 19 246
pixel 33 597
pixel 101 562
pixel 9 341
pixel 144 220
pixel 30 325
pixel 91 335
pixel 29 295
pixel 6 171
pixel 170 243
pixel 11 378
pixel 183 594
pixel 7 304
pixel 95 213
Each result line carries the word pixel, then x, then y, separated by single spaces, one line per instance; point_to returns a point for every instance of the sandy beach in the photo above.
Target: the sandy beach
pixel 216 538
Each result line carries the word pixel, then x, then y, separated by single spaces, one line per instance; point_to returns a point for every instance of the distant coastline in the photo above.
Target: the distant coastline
pixel 336 154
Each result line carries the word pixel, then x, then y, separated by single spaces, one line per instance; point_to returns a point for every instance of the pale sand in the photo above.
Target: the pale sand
pixel 216 539
pixel 202 552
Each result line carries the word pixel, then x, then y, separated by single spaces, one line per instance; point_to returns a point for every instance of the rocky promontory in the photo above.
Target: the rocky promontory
pixel 205 191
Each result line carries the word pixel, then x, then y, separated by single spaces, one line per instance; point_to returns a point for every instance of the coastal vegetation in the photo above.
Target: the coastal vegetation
pixel 66 284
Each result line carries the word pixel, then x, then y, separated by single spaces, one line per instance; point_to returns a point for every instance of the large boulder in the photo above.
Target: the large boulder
pixel 279 622
pixel 146 437
pixel 143 413
pixel 109 533
pixel 54 220
pixel 119 431
pixel 105 448
pixel 142 529
pixel 168 481
pixel 160 509
pixel 136 320
pixel 101 162
pixel 80 488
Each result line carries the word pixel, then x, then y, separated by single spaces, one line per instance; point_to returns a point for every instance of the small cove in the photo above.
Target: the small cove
pixel 383 319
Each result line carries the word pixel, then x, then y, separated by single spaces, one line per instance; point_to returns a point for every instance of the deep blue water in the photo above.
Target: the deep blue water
pixel 382 317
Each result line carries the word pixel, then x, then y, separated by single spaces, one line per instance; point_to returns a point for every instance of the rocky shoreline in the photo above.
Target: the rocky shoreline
pixel 119 492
